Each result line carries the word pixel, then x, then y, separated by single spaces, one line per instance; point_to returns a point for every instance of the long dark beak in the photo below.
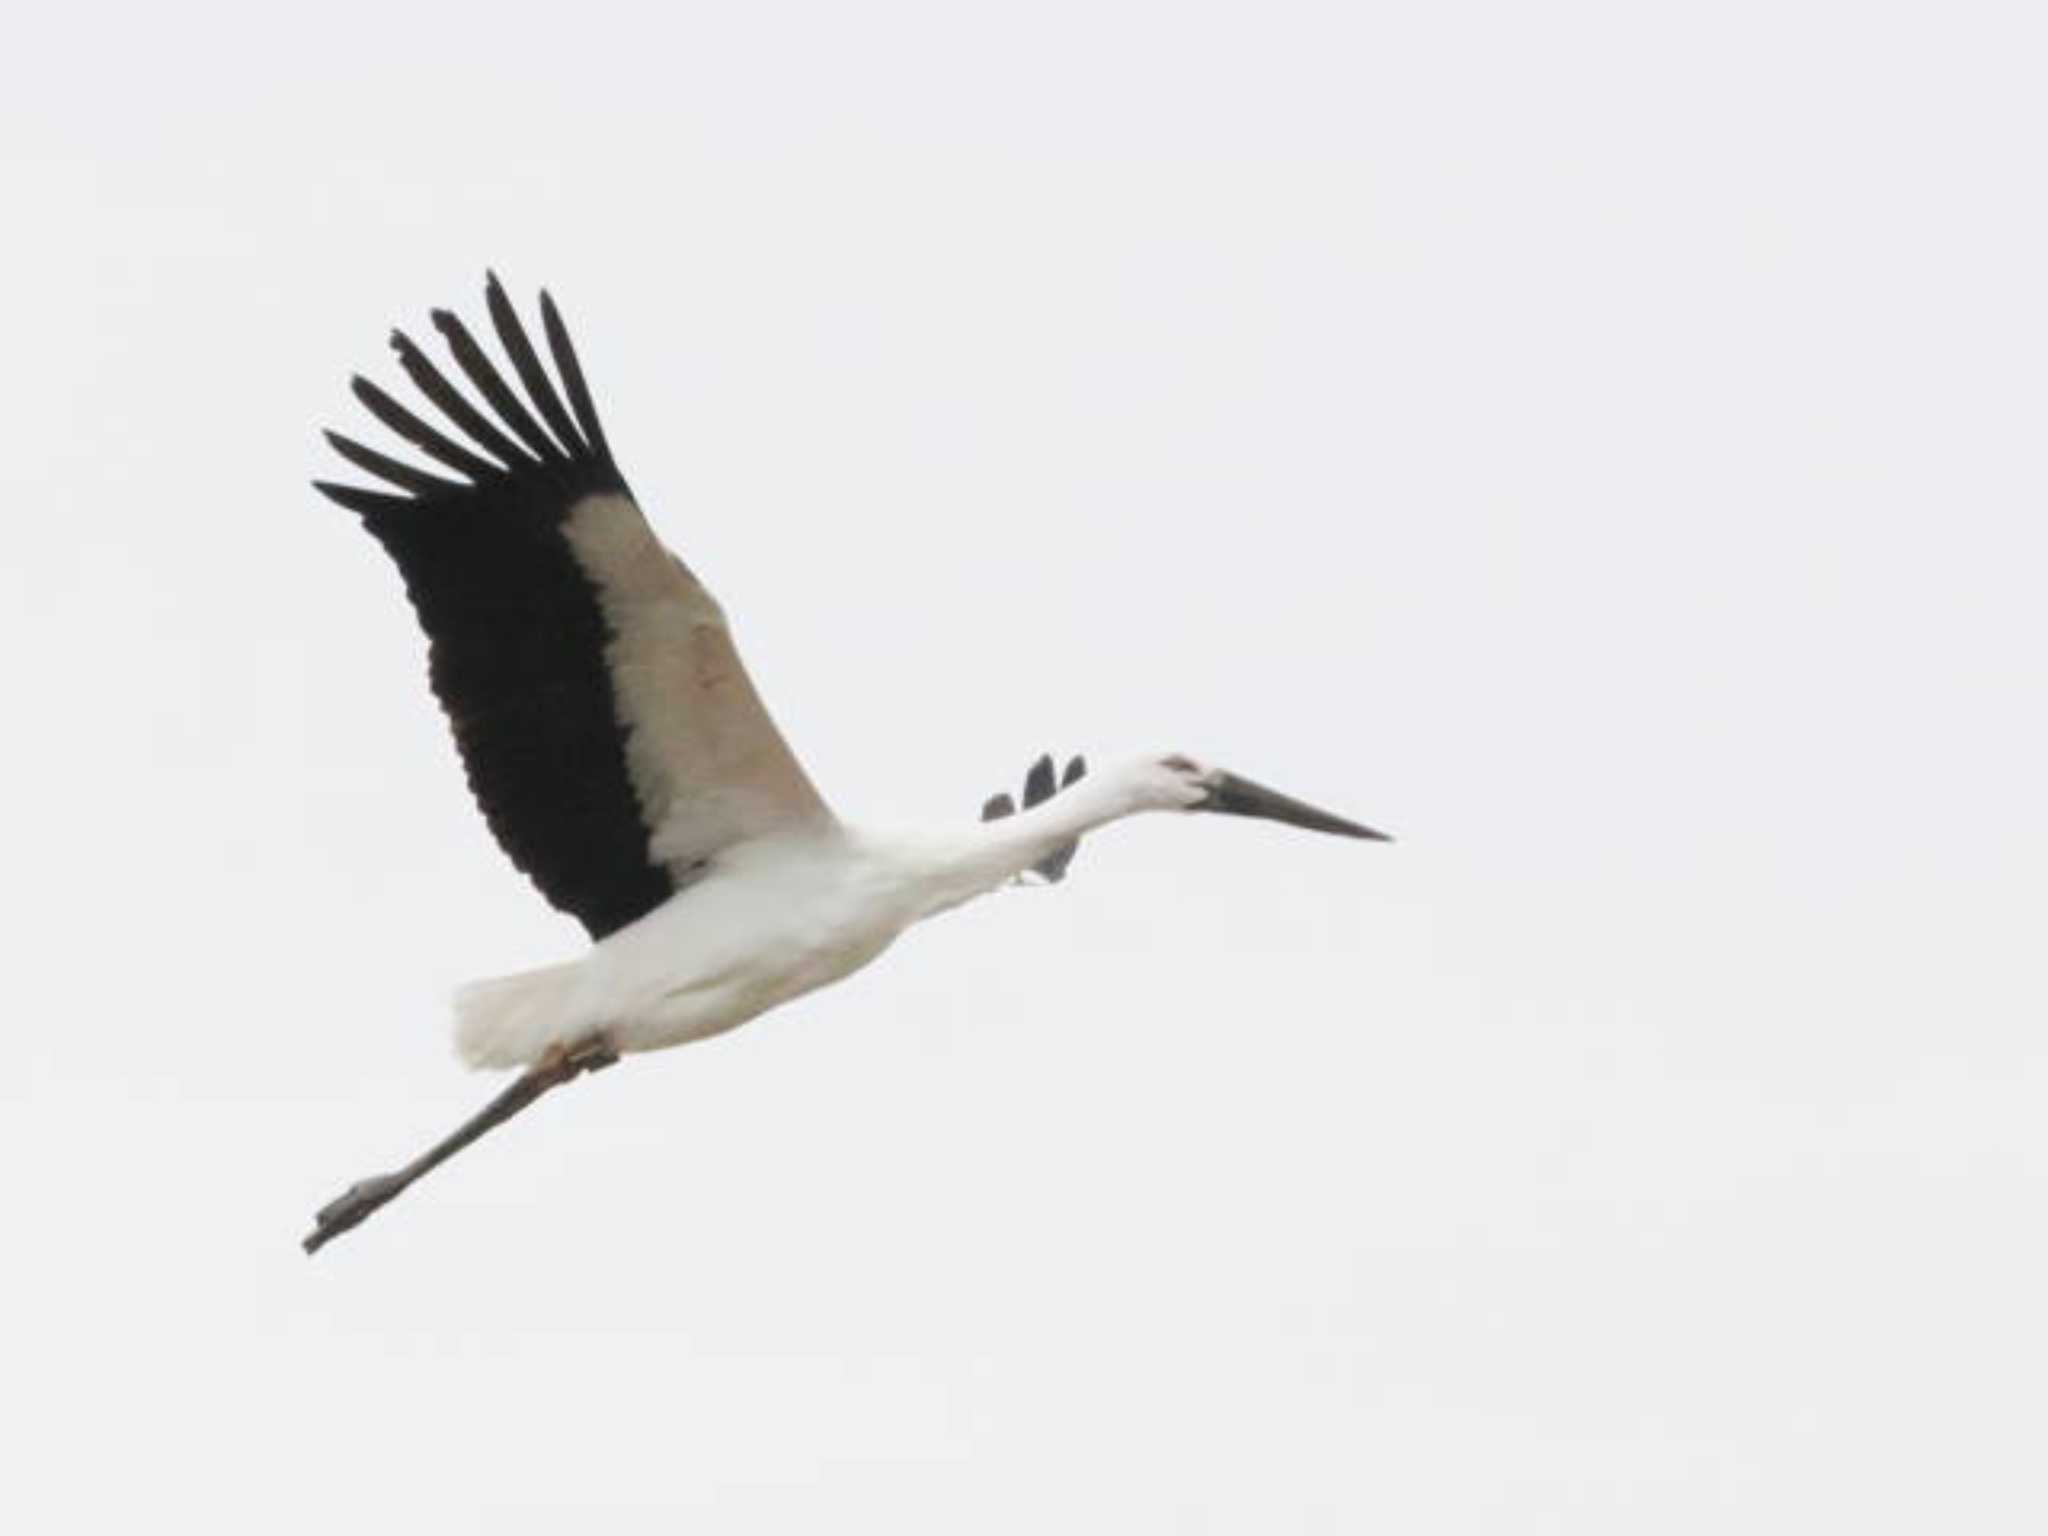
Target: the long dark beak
pixel 1241 797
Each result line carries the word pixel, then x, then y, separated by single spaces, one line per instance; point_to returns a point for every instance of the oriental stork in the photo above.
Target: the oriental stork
pixel 624 761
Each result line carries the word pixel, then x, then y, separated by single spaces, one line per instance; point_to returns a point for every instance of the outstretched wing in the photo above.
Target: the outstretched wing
pixel 611 736
pixel 1038 788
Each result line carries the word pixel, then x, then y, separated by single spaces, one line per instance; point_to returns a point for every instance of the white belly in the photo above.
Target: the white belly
pixel 681 1009
pixel 770 922
pixel 775 924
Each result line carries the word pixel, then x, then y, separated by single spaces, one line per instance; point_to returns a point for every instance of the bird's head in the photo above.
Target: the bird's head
pixel 1178 782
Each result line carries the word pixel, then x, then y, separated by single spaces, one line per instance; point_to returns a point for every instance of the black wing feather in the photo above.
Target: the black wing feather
pixel 571 370
pixel 435 386
pixel 1038 783
pixel 418 433
pixel 492 386
pixel 1054 865
pixel 512 336
pixel 356 499
pixel 1039 786
pixel 517 636
pixel 404 476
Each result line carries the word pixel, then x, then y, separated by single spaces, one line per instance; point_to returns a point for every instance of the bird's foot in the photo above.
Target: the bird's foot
pixel 561 1064
pixel 351 1206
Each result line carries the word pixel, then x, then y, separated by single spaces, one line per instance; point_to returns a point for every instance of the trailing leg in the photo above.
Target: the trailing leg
pixel 364 1197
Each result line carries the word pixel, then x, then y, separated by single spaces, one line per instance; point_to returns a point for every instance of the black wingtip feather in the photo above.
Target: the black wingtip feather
pixel 402 475
pixel 492 386
pixel 1039 786
pixel 453 404
pixel 539 388
pixel 1053 867
pixel 518 637
pixel 1038 783
pixel 361 502
pixel 418 433
pixel 571 370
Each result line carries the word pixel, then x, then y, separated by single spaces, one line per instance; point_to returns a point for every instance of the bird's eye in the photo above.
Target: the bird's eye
pixel 1179 764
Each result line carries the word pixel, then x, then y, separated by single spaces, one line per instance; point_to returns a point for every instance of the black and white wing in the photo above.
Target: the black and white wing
pixel 610 733
pixel 1039 786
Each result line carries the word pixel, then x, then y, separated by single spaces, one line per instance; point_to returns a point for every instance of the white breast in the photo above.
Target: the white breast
pixel 769 922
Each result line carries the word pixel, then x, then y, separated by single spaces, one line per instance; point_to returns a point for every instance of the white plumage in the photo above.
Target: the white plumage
pixel 625 762
pixel 781 915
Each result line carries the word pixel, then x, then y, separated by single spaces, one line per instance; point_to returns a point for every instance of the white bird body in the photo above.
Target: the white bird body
pixel 624 761
pixel 776 917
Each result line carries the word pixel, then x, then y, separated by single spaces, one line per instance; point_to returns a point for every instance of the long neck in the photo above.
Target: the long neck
pixel 992 853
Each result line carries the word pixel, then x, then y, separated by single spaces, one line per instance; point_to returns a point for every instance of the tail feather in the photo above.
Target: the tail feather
pixel 511 1021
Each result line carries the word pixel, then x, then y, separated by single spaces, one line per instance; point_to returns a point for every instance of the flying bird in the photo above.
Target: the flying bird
pixel 624 761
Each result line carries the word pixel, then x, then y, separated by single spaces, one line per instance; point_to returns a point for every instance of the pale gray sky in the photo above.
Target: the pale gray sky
pixel 1600 443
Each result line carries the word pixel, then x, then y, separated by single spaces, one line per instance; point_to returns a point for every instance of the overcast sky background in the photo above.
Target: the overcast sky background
pixel 1600 443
